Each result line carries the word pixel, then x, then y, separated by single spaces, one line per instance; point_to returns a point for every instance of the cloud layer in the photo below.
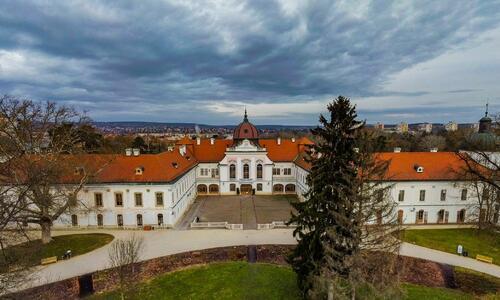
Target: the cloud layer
pixel 199 61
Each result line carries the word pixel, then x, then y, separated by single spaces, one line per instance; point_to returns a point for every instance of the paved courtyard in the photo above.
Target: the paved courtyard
pixel 247 210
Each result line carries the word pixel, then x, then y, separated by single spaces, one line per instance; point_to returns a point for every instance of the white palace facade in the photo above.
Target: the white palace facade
pixel 136 190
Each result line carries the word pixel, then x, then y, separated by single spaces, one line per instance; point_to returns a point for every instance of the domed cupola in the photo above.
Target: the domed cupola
pixel 245 130
pixel 485 122
pixel 484 139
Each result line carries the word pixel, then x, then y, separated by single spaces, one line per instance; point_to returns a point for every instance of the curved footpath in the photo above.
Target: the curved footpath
pixel 165 242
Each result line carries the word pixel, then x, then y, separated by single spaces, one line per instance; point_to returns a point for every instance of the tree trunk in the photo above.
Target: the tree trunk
pixel 46 232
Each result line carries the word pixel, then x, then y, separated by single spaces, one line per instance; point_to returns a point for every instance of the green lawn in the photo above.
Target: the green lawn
pixel 241 280
pixel 474 241
pixel 414 291
pixel 79 244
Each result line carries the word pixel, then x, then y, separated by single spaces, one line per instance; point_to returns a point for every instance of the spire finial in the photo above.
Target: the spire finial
pixel 246 117
pixel 485 114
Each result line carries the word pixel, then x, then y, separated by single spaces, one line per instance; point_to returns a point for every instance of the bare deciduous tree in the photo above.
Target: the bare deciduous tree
pixel 123 254
pixel 41 168
pixel 482 173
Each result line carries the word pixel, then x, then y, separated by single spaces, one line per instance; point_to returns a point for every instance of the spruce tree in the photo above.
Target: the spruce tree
pixel 327 230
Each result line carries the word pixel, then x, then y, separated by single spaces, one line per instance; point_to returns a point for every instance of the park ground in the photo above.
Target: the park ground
pixel 33 251
pixel 247 210
pixel 241 280
pixel 473 241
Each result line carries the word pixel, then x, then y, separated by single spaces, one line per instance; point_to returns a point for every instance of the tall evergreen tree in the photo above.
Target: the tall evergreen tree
pixel 327 229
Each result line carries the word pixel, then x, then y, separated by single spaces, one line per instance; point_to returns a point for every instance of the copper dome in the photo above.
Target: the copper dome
pixel 245 130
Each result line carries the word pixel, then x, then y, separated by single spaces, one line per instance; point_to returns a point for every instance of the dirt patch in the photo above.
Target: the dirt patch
pixel 423 272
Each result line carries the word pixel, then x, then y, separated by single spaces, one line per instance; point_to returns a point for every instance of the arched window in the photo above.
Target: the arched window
pixel 99 220
pixel 74 220
pixel 441 216
pixel 119 220
pixel 160 219
pixel 259 171
pixel 246 171
pixel 400 216
pixel 461 216
pixel 139 220
pixel 232 171
pixel 420 217
pixel 290 188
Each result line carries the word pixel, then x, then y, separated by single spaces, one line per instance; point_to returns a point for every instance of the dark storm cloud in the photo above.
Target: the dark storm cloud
pixel 164 55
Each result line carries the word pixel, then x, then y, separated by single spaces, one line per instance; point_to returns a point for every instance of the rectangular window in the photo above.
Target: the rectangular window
pixel 259 186
pixel 422 195
pixel 118 199
pixel 443 195
pixel 276 171
pixel 287 171
pixel 138 199
pixel 401 196
pixel 159 199
pixel 464 195
pixel 215 173
pixel 98 199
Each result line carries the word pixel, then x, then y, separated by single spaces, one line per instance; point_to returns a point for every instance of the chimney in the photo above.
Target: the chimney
pixel 128 152
pixel 182 150
pixel 397 149
pixel 279 141
pixel 212 141
pixel 136 151
pixel 293 140
pixel 434 149
pixel 198 140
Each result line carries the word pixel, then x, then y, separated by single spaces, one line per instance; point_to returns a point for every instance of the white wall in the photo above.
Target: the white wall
pixel 177 197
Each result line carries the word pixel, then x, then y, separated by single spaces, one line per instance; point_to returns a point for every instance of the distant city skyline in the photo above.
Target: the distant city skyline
pixel 200 62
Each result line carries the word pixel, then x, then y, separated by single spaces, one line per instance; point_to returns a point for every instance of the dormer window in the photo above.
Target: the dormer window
pixel 139 170
pixel 419 169
pixel 175 165
pixel 78 171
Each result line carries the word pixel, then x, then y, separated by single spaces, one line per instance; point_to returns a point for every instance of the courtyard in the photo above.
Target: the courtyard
pixel 248 210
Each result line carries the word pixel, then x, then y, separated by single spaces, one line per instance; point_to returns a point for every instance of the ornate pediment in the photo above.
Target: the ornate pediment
pixel 245 146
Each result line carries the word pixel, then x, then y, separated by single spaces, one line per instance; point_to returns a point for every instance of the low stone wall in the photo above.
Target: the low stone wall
pixel 226 225
pixel 413 270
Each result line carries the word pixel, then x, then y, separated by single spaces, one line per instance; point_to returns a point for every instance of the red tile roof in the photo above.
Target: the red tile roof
pixel 168 166
pixel 206 152
pixel 436 165
pixel 157 168
pixel 402 165
pixel 287 150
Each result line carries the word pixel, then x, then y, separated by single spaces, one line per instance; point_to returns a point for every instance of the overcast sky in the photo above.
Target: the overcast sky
pixel 197 61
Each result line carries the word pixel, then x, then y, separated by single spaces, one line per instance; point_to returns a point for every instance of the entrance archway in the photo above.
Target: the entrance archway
pixel 213 189
pixel 290 188
pixel 202 189
pixel 278 189
pixel 246 189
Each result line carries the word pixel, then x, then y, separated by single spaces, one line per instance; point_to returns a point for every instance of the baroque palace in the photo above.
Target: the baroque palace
pixel 135 189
